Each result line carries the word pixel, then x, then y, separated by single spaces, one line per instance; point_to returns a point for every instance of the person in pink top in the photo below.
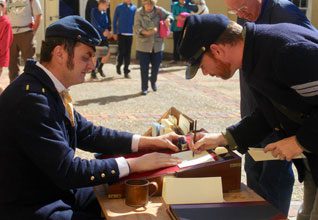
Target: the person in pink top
pixel 5 38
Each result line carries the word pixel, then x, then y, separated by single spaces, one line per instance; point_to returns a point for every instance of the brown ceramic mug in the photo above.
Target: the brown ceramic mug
pixel 137 192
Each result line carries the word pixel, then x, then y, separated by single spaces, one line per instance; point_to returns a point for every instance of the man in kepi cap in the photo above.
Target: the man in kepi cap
pixel 259 175
pixel 271 56
pixel 39 176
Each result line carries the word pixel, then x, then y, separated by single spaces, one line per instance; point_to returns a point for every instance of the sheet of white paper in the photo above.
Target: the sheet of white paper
pixel 258 154
pixel 192 190
pixel 190 160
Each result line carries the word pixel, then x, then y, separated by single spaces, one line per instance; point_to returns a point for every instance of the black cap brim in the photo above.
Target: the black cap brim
pixel 192 70
pixel 194 66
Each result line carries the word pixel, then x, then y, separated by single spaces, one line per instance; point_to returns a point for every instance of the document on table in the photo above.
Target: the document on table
pixel 258 154
pixel 190 160
pixel 192 190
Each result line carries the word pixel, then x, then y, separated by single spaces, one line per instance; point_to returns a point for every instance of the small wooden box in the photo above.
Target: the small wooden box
pixel 176 113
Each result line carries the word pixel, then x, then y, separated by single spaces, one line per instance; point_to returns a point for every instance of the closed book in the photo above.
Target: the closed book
pixel 226 211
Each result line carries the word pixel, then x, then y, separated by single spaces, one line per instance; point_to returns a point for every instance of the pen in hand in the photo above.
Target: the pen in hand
pixel 194 134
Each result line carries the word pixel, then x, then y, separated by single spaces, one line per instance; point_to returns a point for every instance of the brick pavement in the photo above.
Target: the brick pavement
pixel 115 102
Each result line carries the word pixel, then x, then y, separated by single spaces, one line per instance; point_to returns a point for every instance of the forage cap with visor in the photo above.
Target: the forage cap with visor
pixel 74 27
pixel 199 32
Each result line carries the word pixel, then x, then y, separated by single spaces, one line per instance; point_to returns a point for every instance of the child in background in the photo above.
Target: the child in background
pixel 6 38
pixel 177 8
pixel 100 21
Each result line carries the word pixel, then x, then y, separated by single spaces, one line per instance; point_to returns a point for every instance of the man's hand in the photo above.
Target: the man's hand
pixel 161 142
pixel 152 161
pixel 115 37
pixel 204 141
pixel 107 34
pixel 285 149
pixel 36 23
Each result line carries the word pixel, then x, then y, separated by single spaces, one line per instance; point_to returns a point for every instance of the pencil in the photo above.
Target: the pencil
pixel 194 134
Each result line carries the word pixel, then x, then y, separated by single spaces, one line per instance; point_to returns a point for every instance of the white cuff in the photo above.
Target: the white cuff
pixel 135 142
pixel 123 167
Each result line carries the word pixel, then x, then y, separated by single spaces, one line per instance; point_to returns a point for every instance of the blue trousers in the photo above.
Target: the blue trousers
pixel 176 37
pixel 84 206
pixel 145 59
pixel 309 207
pixel 79 205
pixel 124 51
pixel 273 180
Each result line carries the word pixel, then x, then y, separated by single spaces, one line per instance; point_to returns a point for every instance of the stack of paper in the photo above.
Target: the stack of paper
pixel 192 190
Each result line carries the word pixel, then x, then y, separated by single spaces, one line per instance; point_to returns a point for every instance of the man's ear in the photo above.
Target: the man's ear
pixel 59 53
pixel 217 51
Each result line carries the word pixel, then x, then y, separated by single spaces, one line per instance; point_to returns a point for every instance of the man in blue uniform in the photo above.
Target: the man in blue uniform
pixel 259 175
pixel 39 176
pixel 280 66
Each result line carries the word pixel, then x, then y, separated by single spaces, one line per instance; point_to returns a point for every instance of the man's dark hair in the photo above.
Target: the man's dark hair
pixel 231 35
pixel 103 1
pixel 50 43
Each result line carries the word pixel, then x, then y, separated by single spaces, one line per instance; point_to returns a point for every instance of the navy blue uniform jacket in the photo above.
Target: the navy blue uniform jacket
pixel 37 164
pixel 280 67
pixel 273 12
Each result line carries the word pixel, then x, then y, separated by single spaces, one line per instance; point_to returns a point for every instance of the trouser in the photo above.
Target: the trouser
pixel 124 51
pixel 309 208
pixel 85 206
pixel 21 42
pixel 99 64
pixel 176 37
pixel 82 204
pixel 273 180
pixel 145 59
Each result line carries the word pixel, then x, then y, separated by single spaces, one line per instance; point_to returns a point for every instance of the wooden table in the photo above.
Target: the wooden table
pixel 115 209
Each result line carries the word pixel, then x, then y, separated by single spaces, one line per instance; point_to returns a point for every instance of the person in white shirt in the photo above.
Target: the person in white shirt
pixel 25 17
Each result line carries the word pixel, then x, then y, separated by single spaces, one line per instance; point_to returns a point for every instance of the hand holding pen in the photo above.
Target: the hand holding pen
pixel 194 134
pixel 205 141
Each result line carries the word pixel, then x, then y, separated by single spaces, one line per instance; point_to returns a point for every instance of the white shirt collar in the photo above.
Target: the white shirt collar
pixel 58 85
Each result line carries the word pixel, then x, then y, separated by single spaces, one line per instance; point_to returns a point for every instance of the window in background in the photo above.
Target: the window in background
pixel 302 5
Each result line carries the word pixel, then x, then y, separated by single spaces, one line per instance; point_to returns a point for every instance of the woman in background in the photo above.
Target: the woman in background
pixel 5 38
pixel 149 44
